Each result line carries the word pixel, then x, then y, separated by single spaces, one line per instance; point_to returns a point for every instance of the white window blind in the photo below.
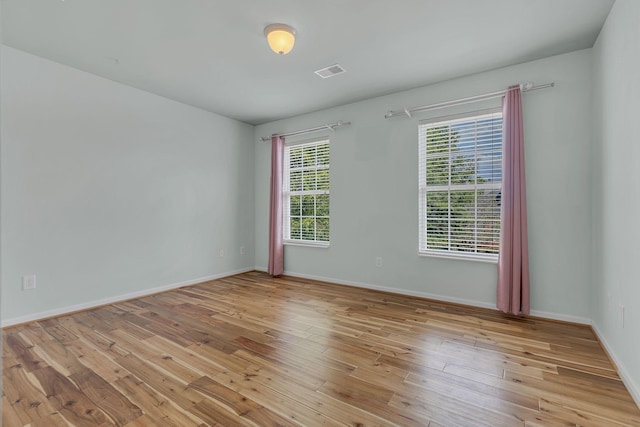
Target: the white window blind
pixel 460 182
pixel 306 193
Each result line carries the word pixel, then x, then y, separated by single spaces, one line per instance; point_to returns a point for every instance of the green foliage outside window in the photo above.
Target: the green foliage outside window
pixel 462 196
pixel 309 192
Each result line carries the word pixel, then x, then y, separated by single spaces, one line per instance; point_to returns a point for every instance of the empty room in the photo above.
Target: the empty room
pixel 329 213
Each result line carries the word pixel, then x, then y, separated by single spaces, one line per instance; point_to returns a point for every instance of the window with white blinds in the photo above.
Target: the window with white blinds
pixel 306 193
pixel 460 186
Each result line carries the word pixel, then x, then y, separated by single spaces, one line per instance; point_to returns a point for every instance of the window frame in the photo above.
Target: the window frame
pixel 424 189
pixel 287 193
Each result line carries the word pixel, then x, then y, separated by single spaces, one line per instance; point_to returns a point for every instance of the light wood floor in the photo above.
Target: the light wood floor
pixel 250 350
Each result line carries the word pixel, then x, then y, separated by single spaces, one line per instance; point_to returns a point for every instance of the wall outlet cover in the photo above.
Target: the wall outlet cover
pixel 28 282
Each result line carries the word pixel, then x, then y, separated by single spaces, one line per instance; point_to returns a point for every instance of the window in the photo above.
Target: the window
pixel 460 185
pixel 306 193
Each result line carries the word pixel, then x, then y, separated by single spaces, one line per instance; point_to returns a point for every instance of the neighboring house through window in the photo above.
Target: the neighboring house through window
pixel 306 193
pixel 460 181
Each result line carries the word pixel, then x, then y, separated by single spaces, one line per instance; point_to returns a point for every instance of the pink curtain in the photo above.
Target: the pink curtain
pixel 276 247
pixel 513 261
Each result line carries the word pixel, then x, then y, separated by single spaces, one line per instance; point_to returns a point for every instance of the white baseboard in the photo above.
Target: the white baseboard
pixel 562 317
pixel 438 297
pixel 406 292
pixel 111 300
pixel 632 385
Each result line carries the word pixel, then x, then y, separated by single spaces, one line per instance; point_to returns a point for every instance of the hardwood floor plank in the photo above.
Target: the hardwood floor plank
pixel 27 400
pixel 145 421
pixel 306 400
pixel 156 407
pixel 21 399
pixel 298 364
pixel 188 358
pixel 252 350
pixel 92 358
pixel 56 419
pixel 598 397
pixel 35 333
pixel 220 359
pixel 175 368
pixel 175 390
pixel 425 413
pixel 547 421
pixel 57 331
pixel 69 401
pixel 58 355
pixel 239 404
pixel 311 379
pixel 24 352
pixel 371 398
pixel 578 417
pixel 215 415
pixel 108 347
pixel 9 415
pixel 117 406
pixel 251 384
pixel 501 410
pixel 131 344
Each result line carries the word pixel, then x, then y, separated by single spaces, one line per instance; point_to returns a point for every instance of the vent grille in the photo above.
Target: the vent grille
pixel 330 71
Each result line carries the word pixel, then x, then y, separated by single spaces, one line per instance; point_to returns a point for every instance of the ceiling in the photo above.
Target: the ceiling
pixel 212 54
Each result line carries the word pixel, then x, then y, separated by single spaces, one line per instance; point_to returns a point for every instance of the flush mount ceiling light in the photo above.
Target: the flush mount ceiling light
pixel 280 37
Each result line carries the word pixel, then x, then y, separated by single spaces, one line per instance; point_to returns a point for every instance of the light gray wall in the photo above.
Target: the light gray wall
pixel 616 183
pixel 108 190
pixel 374 191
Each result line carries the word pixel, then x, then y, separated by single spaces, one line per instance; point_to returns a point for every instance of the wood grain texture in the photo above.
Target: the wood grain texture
pixel 251 350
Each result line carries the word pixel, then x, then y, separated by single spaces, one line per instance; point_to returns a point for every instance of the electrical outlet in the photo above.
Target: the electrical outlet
pixel 378 261
pixel 609 302
pixel 28 282
pixel 221 253
pixel 242 251
pixel 622 316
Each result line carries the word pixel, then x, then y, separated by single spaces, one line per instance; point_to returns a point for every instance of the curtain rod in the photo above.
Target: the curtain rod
pixel 525 87
pixel 330 126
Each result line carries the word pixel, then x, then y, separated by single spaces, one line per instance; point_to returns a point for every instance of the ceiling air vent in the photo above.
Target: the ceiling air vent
pixel 330 71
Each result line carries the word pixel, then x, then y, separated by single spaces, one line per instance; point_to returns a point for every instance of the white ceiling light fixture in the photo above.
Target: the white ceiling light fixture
pixel 281 38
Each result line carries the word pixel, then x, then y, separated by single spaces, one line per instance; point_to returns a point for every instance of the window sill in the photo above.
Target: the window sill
pixel 306 243
pixel 491 259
